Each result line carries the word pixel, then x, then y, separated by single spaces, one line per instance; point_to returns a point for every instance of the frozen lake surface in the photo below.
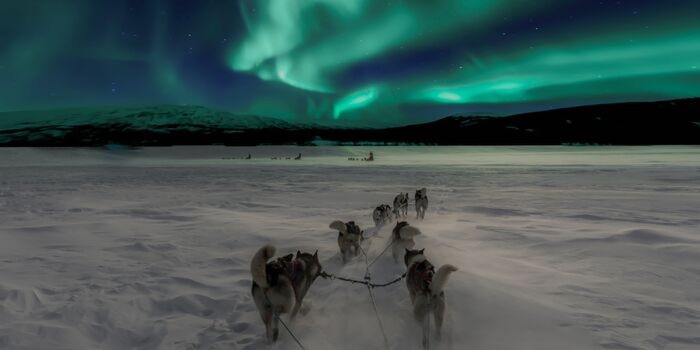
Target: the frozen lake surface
pixel 557 247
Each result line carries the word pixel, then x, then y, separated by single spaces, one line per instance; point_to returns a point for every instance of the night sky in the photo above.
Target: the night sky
pixel 349 61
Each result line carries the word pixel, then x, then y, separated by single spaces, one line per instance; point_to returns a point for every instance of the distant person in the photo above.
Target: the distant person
pixel 370 158
pixel 298 157
pixel 248 157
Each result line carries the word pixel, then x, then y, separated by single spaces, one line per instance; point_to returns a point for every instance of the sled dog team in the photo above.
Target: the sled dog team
pixel 279 285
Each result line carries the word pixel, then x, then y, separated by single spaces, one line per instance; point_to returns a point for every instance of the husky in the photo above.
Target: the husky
pixel 425 287
pixel 349 238
pixel 381 215
pixel 402 238
pixel 279 286
pixel 401 205
pixel 421 203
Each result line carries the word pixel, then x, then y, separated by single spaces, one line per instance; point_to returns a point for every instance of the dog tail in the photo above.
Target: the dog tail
pixel 408 232
pixel 339 226
pixel 440 278
pixel 257 265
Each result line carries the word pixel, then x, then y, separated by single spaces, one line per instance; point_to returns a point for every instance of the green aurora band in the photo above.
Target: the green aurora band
pixel 306 43
pixel 347 62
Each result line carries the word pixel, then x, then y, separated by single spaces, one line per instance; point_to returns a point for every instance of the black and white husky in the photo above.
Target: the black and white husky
pixel 425 286
pixel 279 286
pixel 381 215
pixel 401 205
pixel 402 238
pixel 349 238
pixel 421 202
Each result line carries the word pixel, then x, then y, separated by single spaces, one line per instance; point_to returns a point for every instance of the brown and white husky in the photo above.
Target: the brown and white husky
pixel 349 238
pixel 421 202
pixel 279 286
pixel 402 238
pixel 425 286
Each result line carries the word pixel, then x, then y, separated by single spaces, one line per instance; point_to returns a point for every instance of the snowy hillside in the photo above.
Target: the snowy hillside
pixel 95 122
pixel 152 117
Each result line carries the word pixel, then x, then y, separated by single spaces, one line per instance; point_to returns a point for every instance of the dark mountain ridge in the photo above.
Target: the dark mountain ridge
pixel 635 123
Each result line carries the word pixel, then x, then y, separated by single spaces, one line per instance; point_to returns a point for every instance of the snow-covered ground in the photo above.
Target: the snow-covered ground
pixel 558 247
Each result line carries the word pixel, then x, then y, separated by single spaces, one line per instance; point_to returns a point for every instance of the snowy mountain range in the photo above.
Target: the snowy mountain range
pixel 664 122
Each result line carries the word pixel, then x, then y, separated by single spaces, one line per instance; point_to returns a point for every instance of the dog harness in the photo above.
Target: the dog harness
pixel 284 265
pixel 352 228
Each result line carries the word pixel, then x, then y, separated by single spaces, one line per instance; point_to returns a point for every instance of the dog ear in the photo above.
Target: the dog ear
pixel 298 253
pixel 407 251
pixel 422 250
pixel 316 254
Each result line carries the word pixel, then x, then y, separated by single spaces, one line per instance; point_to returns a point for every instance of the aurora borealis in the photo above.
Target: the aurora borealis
pixel 348 61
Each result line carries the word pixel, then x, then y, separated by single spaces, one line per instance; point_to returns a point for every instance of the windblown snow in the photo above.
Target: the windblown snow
pixel 557 247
